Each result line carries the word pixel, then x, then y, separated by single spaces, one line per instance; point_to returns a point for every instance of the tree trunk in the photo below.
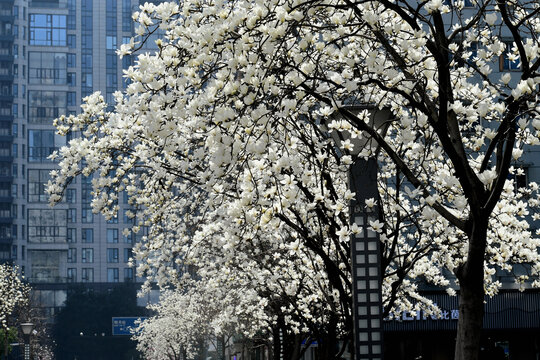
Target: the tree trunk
pixel 471 314
pixel 276 345
pixel 6 340
pixel 328 344
pixel 471 295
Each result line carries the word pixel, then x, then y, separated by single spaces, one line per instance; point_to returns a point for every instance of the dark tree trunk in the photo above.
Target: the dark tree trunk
pixel 471 313
pixel 6 343
pixel 276 348
pixel 471 295
pixel 328 345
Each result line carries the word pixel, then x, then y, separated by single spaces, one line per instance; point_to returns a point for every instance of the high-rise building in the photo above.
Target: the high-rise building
pixel 52 54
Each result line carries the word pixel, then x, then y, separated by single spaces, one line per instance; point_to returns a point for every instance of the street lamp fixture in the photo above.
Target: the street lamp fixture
pixel 27 328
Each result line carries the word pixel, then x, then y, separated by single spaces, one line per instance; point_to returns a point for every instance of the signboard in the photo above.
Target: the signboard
pixel 125 325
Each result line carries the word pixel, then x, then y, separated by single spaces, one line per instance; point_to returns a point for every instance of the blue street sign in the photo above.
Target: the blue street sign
pixel 125 325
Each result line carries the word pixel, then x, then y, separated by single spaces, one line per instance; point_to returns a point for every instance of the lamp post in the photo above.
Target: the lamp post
pixel 365 245
pixel 27 328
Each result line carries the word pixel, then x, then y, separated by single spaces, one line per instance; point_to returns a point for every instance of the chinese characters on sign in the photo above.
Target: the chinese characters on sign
pixel 125 325
pixel 452 314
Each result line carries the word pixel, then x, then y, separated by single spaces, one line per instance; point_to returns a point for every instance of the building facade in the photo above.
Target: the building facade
pixel 53 53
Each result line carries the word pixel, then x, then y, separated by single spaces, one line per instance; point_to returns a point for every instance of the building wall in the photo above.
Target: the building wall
pixel 54 53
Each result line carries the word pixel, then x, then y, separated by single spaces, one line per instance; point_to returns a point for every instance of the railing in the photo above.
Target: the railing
pixel 48 4
pixel 47 279
pixel 40 154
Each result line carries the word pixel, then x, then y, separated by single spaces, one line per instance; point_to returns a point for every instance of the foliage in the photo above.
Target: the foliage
pixel 13 293
pixel 222 144
pixel 12 336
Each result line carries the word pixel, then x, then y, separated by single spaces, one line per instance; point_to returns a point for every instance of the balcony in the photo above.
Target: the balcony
pixel 6 74
pixel 6 240
pixel 7 36
pixel 47 280
pixel 6 156
pixel 48 4
pixel 6 97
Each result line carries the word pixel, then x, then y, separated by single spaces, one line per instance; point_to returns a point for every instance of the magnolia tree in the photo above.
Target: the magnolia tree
pixel 222 144
pixel 13 295
pixel 182 327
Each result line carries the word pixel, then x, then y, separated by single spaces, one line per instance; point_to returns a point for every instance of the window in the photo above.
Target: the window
pixel 111 42
pixel 72 255
pixel 87 235
pixel 44 106
pixel 71 196
pixel 15 150
pixel 71 60
pixel 86 40
pixel 71 235
pixel 127 22
pixel 112 255
pixel 5 149
pixel 86 79
pixel 128 217
pixel 87 216
pixel 71 275
pixel 86 61
pixel 72 81
pixel 71 97
pixel 87 255
pixel 112 236
pixel 87 275
pixel 37 180
pixel 48 30
pixel 128 275
pixel 128 239
pixel 520 177
pixel 509 60
pixel 112 275
pixel 112 80
pixel 72 215
pixel 41 144
pixel 15 130
pixel 47 68
pixel 128 254
pixel 72 41
pixel 46 225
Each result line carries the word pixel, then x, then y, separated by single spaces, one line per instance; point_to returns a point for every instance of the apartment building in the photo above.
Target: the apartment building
pixel 53 53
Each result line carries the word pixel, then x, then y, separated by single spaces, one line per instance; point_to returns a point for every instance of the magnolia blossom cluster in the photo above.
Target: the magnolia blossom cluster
pixel 13 293
pixel 221 142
